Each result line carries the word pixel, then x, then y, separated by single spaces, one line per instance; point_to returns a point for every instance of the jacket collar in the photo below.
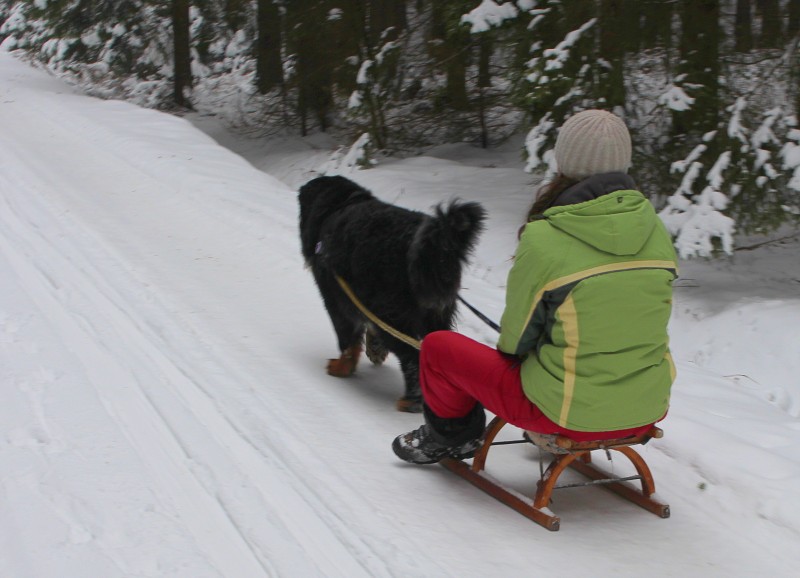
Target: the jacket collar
pixel 593 187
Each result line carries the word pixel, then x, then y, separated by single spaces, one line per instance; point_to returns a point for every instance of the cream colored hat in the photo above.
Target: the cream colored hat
pixel 593 142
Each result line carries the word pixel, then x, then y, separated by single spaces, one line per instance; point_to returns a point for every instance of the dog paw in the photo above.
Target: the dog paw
pixel 409 405
pixel 345 366
pixel 340 368
pixel 375 348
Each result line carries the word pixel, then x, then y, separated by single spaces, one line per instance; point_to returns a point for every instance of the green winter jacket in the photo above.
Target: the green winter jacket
pixel 587 304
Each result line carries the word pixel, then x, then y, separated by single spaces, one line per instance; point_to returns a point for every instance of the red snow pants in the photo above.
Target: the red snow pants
pixel 456 371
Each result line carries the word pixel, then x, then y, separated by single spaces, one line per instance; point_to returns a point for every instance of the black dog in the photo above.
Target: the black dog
pixel 404 266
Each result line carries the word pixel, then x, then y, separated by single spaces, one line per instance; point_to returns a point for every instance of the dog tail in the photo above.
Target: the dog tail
pixel 441 246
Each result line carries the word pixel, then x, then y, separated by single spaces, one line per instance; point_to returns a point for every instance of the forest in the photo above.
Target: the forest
pixel 709 88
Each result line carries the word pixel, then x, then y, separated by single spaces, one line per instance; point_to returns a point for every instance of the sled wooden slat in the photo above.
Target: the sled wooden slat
pixel 476 479
pixel 566 453
pixel 643 499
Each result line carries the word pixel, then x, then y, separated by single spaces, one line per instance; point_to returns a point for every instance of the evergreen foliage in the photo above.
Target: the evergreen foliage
pixel 710 88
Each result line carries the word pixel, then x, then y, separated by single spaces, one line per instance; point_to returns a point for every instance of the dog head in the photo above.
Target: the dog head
pixel 319 199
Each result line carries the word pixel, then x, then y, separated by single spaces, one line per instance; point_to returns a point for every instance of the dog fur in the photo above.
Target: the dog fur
pixel 404 266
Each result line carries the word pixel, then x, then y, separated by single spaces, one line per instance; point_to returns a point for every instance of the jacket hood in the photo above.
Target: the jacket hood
pixel 618 222
pixel 594 187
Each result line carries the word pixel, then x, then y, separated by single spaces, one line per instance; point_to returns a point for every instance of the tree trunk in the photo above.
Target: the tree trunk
pixel 771 36
pixel 657 27
pixel 632 21
pixel 182 77
pixel 457 96
pixel 310 35
pixel 793 9
pixel 797 95
pixel 700 38
pixel 612 50
pixel 743 28
pixel 236 14
pixel 386 14
pixel 450 49
pixel 485 46
pixel 269 65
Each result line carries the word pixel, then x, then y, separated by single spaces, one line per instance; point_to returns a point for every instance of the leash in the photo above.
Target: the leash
pixel 415 343
pixel 480 315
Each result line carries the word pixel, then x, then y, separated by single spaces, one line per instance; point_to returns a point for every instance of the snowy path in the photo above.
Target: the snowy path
pixel 166 413
pixel 144 383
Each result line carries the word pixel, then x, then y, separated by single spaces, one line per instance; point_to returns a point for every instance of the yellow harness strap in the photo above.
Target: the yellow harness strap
pixel 372 317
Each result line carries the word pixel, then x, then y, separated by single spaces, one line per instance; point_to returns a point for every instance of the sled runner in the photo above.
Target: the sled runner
pixel 565 453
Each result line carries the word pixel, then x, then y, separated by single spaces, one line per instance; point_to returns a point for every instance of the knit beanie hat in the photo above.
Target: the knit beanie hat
pixel 593 142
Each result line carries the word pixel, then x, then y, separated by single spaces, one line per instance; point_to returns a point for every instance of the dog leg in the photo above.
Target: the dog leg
pixel 407 405
pixel 374 346
pixel 411 402
pixel 348 325
pixel 345 366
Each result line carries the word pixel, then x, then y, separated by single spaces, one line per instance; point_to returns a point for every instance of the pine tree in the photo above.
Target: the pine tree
pixel 269 41
pixel 615 39
pixel 370 37
pixel 771 27
pixel 308 41
pixel 699 68
pixel 182 58
pixel 743 31
pixel 449 45
pixel 793 14
pixel 710 89
pixel 560 73
pixel 235 14
pixel 387 20
pixel 657 24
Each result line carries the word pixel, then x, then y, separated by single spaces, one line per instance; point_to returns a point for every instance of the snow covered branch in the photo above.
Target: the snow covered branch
pixel 696 222
pixel 489 14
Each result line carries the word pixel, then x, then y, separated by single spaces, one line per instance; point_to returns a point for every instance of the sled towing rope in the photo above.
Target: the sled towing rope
pixel 565 453
pixel 415 343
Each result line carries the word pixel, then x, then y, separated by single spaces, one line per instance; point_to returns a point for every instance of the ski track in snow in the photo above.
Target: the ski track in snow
pixel 149 391
pixel 225 450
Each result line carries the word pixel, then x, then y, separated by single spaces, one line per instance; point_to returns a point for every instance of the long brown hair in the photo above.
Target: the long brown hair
pixel 546 196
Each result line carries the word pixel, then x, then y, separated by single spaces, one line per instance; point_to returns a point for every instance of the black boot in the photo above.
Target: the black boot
pixel 441 437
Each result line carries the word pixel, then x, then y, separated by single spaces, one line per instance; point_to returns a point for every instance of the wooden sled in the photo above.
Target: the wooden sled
pixel 566 453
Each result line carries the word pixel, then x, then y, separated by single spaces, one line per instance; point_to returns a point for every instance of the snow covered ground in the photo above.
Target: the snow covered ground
pixel 165 410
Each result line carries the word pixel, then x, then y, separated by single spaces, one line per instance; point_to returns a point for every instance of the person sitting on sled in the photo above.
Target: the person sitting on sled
pixel 583 348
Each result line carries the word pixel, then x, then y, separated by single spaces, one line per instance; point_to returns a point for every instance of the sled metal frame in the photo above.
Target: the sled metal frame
pixel 565 453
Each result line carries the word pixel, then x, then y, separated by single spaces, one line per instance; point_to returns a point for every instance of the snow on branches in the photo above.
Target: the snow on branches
pixel 489 14
pixel 759 188
pixel 675 98
pixel 346 160
pixel 535 146
pixel 791 158
pixel 696 222
pixel 556 57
